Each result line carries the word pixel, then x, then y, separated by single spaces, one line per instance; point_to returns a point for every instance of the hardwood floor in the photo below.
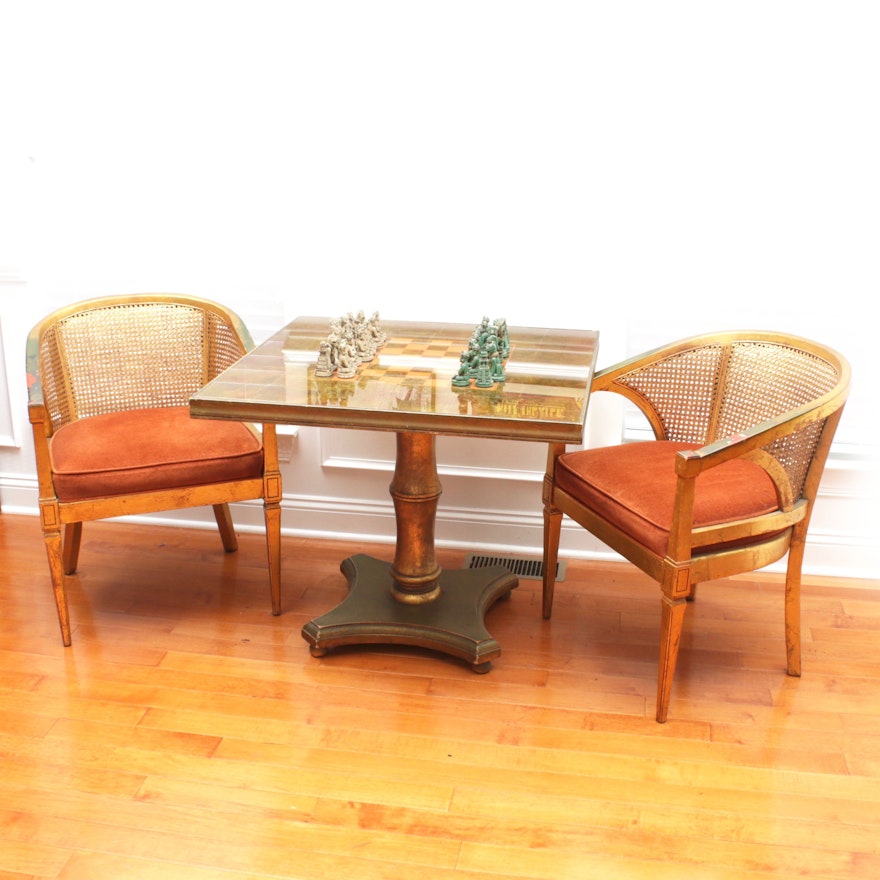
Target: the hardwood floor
pixel 189 735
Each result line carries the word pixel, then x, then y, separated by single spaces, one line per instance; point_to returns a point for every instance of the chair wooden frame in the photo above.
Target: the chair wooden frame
pixel 791 444
pixel 51 404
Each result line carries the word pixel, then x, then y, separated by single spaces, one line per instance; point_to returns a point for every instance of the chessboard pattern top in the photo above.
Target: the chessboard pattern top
pixel 407 386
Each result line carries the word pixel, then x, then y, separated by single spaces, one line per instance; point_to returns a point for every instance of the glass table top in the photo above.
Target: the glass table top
pixel 408 385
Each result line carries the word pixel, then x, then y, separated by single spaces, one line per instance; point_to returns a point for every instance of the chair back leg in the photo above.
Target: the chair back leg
pixel 72 540
pixel 227 529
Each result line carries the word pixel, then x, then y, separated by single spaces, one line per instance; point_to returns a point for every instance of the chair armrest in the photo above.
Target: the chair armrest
pixel 758 436
pixel 749 445
pixel 756 444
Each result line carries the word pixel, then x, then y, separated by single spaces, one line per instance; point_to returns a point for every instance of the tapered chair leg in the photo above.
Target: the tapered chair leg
pixel 793 603
pixel 56 570
pixel 672 621
pixel 552 531
pixel 227 529
pixel 72 540
pixel 272 513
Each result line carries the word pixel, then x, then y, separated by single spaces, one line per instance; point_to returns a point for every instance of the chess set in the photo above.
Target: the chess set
pixel 409 370
pixel 353 343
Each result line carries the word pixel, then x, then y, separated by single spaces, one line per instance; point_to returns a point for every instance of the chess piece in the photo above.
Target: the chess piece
pixel 324 366
pixel 462 378
pixel 348 362
pixel 496 370
pixel 334 340
pixel 473 359
pixel 503 337
pixel 376 331
pixel 484 373
pixel 363 344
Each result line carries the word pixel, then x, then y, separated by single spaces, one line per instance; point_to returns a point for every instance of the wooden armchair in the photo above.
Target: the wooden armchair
pixel 743 423
pixel 109 384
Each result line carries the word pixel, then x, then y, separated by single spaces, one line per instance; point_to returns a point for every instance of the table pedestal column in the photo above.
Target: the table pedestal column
pixel 412 601
pixel 415 490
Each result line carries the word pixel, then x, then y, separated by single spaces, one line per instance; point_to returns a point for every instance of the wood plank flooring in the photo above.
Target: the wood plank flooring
pixel 189 735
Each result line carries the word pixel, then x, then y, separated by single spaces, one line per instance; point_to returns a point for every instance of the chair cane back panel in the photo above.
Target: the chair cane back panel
pixel 680 391
pixel 114 357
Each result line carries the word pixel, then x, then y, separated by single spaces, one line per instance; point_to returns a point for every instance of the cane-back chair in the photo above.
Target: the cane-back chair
pixel 743 423
pixel 109 384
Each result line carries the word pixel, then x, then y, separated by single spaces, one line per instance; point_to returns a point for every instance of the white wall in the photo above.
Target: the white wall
pixel 645 169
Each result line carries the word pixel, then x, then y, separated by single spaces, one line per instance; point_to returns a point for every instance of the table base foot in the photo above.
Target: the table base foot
pixel 452 623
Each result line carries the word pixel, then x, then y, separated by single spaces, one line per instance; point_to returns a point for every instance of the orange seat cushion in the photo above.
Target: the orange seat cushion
pixel 632 486
pixel 145 450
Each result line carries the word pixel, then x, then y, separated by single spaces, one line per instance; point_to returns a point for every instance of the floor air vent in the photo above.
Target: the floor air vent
pixel 525 568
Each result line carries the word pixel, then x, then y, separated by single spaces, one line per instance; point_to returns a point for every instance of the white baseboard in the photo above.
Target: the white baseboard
pixel 496 531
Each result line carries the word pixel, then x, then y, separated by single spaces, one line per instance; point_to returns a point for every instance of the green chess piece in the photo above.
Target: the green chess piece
pixel 503 336
pixel 462 378
pixel 484 373
pixel 497 372
pixel 473 355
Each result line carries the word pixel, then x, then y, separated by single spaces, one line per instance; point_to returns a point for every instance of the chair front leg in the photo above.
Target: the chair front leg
pixel 55 554
pixel 272 514
pixel 793 600
pixel 672 621
pixel 272 495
